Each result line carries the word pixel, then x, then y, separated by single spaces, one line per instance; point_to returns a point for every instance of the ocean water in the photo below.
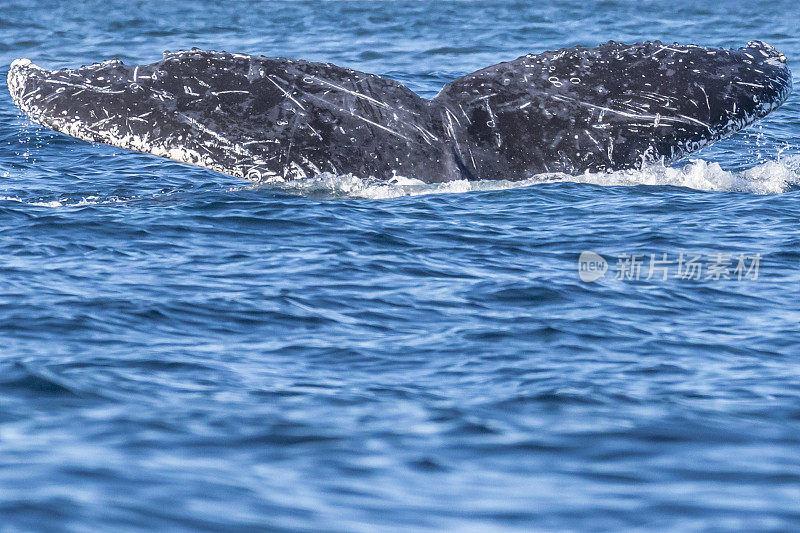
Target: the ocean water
pixel 183 350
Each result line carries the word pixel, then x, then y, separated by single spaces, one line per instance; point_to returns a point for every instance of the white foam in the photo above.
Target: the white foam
pixel 66 202
pixel 770 177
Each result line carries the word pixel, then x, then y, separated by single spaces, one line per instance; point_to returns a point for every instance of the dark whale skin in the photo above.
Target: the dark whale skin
pixel 611 107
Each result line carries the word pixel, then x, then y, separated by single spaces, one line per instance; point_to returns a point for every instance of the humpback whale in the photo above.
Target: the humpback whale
pixel 579 109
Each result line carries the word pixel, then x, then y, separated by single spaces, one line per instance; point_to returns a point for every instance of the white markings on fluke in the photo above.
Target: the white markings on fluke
pixel 575 110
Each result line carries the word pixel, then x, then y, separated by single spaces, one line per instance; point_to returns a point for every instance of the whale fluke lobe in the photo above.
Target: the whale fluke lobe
pixel 573 110
pixel 611 107
pixel 247 116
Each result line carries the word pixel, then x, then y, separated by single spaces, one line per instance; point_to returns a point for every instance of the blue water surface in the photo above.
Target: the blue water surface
pixel 183 350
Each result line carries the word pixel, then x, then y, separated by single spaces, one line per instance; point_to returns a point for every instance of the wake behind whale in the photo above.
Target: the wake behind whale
pixel 612 107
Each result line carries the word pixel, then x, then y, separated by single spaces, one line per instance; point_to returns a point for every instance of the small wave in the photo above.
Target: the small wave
pixel 23 378
pixel 66 202
pixel 771 177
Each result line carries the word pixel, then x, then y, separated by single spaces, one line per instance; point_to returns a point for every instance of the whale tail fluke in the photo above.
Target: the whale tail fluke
pixel 574 110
